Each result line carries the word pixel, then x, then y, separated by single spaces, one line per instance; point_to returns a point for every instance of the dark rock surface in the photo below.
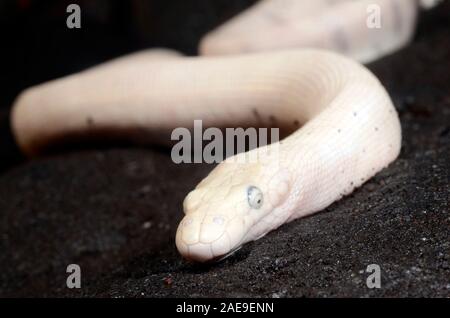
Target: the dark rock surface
pixel 115 211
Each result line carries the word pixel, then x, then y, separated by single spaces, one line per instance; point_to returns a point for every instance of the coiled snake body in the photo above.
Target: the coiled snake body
pixel 344 130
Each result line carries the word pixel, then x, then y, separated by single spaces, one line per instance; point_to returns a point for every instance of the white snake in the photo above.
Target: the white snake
pixel 344 128
pixel 344 26
pixel 350 130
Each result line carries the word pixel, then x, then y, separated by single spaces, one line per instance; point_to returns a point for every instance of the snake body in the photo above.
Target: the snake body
pixel 364 29
pixel 344 130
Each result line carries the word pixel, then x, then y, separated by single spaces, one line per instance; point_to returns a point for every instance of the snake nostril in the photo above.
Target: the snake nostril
pixel 212 227
pixel 219 220
pixel 187 222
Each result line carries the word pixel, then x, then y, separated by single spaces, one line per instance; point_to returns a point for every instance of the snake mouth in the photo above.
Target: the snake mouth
pixel 214 260
pixel 220 258
pixel 194 258
pixel 213 252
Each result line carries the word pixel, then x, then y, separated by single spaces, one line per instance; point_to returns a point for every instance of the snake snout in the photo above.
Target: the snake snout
pixel 203 238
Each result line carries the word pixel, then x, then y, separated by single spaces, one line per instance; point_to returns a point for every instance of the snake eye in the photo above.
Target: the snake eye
pixel 254 197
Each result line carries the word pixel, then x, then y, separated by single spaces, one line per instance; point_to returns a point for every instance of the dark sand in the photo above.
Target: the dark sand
pixel 115 211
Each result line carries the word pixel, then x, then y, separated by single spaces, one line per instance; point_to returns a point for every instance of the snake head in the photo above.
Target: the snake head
pixel 235 204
